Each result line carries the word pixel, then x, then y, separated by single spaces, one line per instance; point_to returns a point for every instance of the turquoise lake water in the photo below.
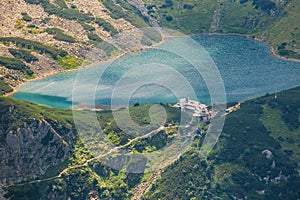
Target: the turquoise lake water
pixel 247 68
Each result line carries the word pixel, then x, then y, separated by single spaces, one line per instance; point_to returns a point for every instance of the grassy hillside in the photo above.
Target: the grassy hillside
pixel 189 16
pixel 284 35
pixel 16 112
pixel 80 175
pixel 256 156
pixel 272 21
pixel 238 166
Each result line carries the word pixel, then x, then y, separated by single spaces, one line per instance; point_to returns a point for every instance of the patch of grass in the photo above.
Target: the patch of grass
pixel 68 62
pixel 174 16
pixel 286 29
pixel 288 139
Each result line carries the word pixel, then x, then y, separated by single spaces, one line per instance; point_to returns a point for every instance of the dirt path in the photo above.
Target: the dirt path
pixel 88 161
pixel 142 188
pixel 214 27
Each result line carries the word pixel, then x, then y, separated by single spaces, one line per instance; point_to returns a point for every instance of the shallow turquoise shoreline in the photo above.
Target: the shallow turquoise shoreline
pixel 248 69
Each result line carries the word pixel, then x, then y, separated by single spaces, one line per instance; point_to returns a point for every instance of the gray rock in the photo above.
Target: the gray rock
pixel 28 151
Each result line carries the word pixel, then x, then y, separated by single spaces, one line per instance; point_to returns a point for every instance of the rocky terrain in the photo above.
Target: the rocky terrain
pixel 30 143
pixel 77 36
pixel 86 30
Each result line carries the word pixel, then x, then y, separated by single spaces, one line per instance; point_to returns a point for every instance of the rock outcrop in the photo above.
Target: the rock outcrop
pixel 29 147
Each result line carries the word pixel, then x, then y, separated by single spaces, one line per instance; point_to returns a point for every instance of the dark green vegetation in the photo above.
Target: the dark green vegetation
pixel 236 167
pixel 263 19
pixel 94 37
pixel 106 26
pixel 87 27
pixel 15 64
pixel 59 34
pixel 122 9
pixel 4 88
pixel 24 111
pixel 78 182
pixel 61 56
pixel 62 10
pixel 23 54
pixel 36 46
pixel 26 17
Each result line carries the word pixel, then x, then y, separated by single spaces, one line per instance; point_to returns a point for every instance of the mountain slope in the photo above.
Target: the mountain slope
pixel 39 38
pixel 271 21
pixel 42 37
pixel 256 157
pixel 32 139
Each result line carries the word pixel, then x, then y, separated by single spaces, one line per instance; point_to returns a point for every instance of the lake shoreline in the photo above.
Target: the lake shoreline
pixel 164 38
pixel 15 89
pixel 250 37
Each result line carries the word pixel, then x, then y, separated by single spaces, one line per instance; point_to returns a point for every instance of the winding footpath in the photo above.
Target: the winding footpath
pixel 90 160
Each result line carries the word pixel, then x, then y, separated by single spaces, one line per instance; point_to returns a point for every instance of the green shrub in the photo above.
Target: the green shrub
pixel 265 5
pixel 106 26
pixel 54 31
pixel 288 53
pixel 26 17
pixel 62 11
pixel 87 27
pixel 94 37
pixel 15 64
pixel 31 26
pixel 60 35
pixel 4 87
pixel 188 6
pixel 167 4
pixel 61 3
pixel 23 54
pixel 131 13
pixel 35 46
pixel 169 18
pixel 64 37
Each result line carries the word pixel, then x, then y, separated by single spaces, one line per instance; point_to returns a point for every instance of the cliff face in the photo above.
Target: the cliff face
pixel 29 146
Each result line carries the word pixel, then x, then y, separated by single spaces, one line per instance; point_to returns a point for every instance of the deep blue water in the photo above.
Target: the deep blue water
pixel 158 75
